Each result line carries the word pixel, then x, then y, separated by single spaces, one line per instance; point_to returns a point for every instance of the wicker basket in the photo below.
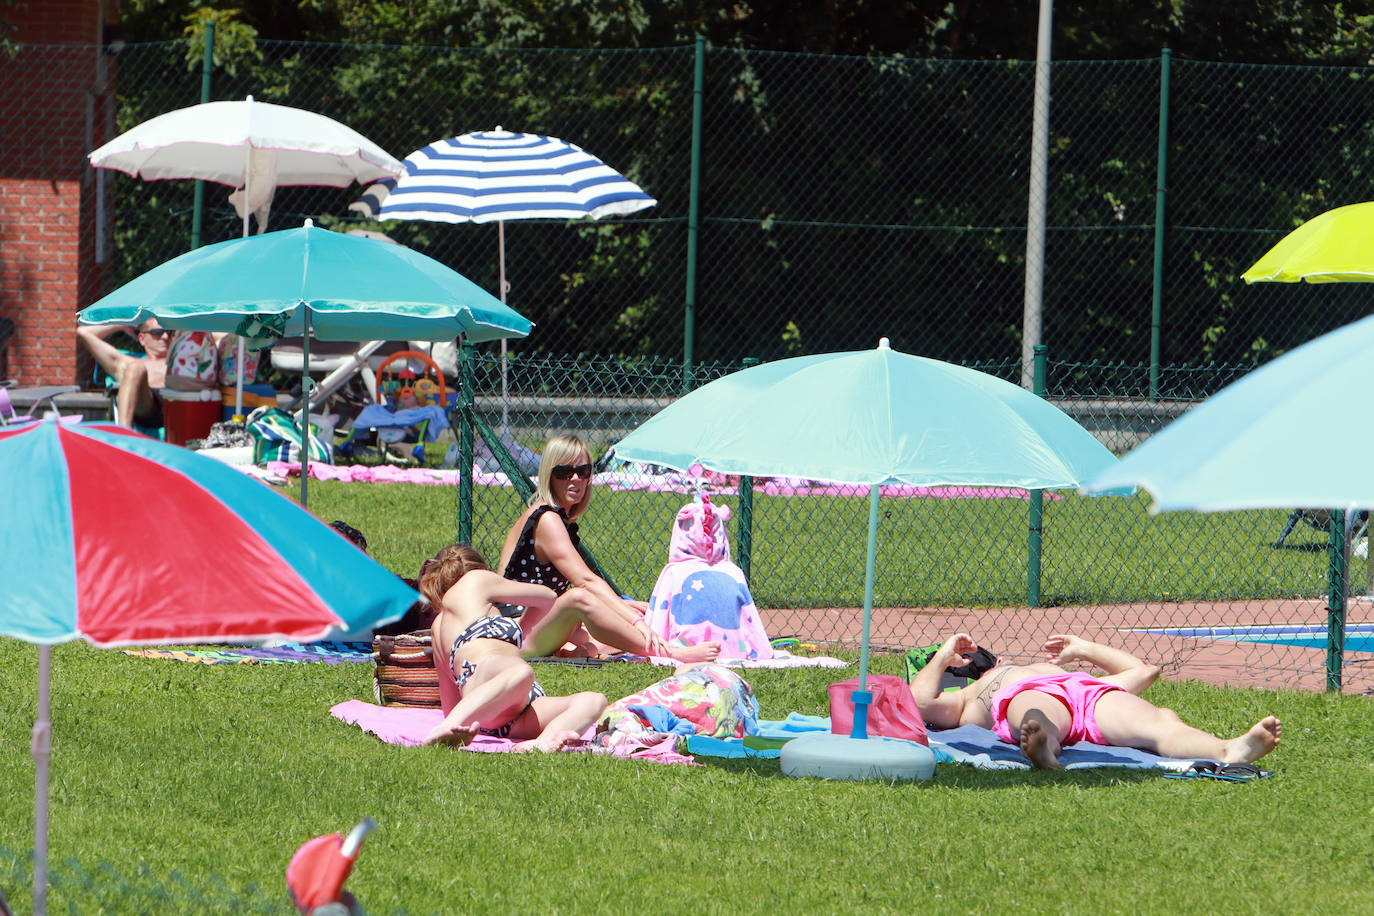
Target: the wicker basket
pixel 404 674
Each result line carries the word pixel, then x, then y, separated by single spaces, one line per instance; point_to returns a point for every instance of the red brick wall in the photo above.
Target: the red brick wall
pixel 53 99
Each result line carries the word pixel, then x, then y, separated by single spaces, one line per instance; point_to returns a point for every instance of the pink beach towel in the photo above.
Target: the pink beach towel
pixel 408 728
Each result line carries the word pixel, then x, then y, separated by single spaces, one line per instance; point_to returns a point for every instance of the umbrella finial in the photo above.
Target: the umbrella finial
pixel 883 344
pixel 309 223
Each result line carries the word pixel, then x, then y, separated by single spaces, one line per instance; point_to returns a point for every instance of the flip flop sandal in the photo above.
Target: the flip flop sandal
pixel 1229 772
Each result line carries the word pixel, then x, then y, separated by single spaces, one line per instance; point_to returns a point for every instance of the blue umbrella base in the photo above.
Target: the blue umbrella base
pixel 831 756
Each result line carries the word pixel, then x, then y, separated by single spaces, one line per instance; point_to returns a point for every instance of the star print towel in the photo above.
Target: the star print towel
pixel 701 595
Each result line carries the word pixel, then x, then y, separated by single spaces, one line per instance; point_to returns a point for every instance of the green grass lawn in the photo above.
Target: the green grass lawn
pixel 186 788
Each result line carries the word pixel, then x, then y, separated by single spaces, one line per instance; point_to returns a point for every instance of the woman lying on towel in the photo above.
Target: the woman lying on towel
pixel 485 686
pixel 541 548
pixel 1043 707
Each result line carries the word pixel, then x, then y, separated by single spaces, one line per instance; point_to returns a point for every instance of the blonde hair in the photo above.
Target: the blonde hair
pixel 439 574
pixel 561 449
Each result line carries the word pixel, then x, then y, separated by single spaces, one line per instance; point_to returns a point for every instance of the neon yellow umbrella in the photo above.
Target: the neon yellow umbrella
pixel 1335 247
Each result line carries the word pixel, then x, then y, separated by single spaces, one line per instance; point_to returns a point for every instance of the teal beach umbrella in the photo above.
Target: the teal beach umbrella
pixel 868 418
pixel 310 282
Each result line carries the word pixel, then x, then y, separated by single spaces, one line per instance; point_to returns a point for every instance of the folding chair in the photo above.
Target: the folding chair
pixel 1320 519
pixel 9 414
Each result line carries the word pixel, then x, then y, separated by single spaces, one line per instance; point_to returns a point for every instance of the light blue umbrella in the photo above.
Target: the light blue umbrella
pixel 1282 436
pixel 310 281
pixel 868 418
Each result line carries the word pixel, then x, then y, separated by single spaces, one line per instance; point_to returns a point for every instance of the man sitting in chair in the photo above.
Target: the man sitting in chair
pixel 138 377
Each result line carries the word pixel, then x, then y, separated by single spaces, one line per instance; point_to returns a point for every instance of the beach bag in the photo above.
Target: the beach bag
pixel 192 362
pixel 404 672
pixel 892 714
pixel 276 437
pixel 228 362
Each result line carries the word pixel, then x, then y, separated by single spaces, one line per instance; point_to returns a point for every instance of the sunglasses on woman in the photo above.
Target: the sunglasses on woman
pixel 566 471
pixel 157 332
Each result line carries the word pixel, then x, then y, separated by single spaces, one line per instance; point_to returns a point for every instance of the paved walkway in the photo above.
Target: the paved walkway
pixel 1019 632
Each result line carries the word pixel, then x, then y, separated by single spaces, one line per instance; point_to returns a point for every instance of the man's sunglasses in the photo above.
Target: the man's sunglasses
pixel 566 471
pixel 158 332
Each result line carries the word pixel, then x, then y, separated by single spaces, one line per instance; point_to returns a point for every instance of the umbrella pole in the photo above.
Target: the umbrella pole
pixel 238 362
pixel 501 260
pixel 41 749
pixel 305 398
pixel 861 696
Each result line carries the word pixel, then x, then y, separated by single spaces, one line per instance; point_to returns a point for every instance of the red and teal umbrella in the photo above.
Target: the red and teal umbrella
pixel 122 540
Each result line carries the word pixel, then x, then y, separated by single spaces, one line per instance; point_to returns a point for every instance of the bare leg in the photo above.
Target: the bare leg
pixel 558 721
pixel 496 692
pixel 133 390
pixel 1130 721
pixel 1038 721
pixel 580 606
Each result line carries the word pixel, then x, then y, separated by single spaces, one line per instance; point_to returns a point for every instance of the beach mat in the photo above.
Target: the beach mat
pixel 330 652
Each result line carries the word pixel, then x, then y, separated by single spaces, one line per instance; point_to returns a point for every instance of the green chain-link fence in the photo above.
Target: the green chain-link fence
pixel 842 200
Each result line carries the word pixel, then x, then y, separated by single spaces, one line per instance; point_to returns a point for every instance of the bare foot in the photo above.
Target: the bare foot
pixel 705 652
pixel 1262 738
pixel 1039 746
pixel 453 735
pixel 548 743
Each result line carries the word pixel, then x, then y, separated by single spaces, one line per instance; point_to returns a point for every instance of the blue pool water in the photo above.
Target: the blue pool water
pixel 1359 637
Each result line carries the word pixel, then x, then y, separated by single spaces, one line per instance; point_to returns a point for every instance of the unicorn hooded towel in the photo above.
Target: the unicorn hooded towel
pixel 701 595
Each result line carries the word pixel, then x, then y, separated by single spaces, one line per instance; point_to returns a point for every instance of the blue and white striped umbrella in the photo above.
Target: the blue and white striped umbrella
pixel 497 175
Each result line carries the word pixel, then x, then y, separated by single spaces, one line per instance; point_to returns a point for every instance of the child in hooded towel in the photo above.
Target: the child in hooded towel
pixel 701 595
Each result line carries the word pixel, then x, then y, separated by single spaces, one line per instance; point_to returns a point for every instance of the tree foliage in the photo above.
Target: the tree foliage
pixel 879 189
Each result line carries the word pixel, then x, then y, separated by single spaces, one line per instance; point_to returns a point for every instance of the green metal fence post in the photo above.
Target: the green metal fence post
pixel 1161 168
pixel 744 521
pixel 1335 604
pixel 466 412
pixel 207 65
pixel 1037 499
pixel 693 213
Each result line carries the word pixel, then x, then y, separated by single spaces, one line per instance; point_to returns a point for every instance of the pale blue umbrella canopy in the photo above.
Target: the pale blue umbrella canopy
pixel 1287 434
pixel 354 288
pixel 871 417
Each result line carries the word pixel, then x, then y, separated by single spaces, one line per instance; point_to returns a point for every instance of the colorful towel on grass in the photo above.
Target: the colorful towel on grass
pixel 977 747
pixel 703 699
pixel 331 652
pixel 780 659
pixel 629 480
pixel 408 728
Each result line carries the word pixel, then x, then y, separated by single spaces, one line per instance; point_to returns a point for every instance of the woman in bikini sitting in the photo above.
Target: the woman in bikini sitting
pixel 541 548
pixel 1042 707
pixel 485 685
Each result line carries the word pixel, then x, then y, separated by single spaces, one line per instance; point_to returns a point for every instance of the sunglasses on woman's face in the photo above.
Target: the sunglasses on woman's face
pixel 566 471
pixel 156 332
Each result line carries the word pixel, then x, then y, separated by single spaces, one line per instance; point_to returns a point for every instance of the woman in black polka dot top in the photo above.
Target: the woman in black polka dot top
pixel 541 547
